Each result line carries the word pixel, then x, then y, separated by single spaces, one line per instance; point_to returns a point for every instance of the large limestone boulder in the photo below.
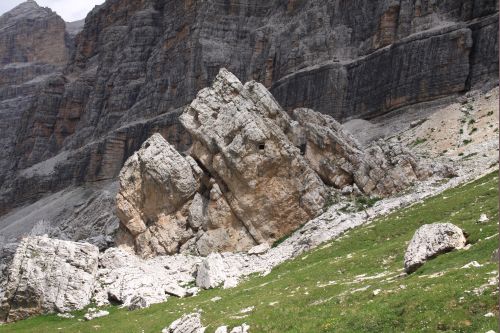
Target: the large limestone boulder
pixel 253 174
pixel 155 185
pixel 431 240
pixel 49 275
pixel 239 137
pixel 167 204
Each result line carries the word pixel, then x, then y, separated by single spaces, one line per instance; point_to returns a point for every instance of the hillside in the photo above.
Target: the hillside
pixel 235 166
pixel 351 284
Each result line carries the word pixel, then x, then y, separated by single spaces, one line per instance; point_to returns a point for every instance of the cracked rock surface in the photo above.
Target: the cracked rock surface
pixel 431 240
pixel 253 175
pixel 49 275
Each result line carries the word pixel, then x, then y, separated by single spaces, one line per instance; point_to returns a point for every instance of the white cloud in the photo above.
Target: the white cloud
pixel 69 10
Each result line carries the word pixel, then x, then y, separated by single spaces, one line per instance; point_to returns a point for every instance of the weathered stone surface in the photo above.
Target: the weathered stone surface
pixel 238 132
pixel 125 279
pixel 211 272
pixel 431 240
pixel 190 323
pixel 381 169
pixel 155 185
pixel 48 275
pixel 251 177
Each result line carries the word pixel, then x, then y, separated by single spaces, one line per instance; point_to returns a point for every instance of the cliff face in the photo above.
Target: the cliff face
pixel 136 64
pixel 30 33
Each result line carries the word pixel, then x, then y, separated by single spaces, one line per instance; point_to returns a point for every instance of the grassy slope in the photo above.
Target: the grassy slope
pixel 307 304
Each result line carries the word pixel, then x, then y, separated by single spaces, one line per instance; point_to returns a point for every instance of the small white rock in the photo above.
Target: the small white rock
pixel 65 315
pixel 376 292
pixel 259 249
pixel 472 264
pixel 221 329
pixel 483 218
pixel 489 314
pixel 247 310
pixel 241 329
pixel 95 314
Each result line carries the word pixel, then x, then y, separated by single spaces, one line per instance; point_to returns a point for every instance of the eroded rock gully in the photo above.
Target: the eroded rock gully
pixel 252 176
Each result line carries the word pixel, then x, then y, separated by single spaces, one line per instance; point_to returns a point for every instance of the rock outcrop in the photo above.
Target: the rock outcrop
pixel 431 240
pixel 48 275
pixel 381 169
pixel 127 280
pixel 253 175
pixel 239 138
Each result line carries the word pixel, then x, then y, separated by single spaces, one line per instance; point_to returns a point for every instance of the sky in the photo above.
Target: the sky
pixel 69 10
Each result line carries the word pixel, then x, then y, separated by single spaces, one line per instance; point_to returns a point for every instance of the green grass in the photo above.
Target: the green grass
pixel 308 302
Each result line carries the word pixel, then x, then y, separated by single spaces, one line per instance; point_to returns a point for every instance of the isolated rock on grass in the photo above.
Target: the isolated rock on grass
pixel 483 218
pixel 211 272
pixel 431 240
pixel 190 323
pixel 240 329
pixel 49 275
pixel 138 302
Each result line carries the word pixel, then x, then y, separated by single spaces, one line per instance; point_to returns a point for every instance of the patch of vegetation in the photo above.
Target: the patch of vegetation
pixel 352 284
pixel 331 200
pixel 469 156
pixel 365 202
pixel 418 141
pixel 490 113
pixel 466 141
pixel 472 121
pixel 473 130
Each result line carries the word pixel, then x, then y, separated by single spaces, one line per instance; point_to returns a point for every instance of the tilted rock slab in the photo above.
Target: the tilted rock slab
pixel 431 240
pixel 49 275
pixel 239 138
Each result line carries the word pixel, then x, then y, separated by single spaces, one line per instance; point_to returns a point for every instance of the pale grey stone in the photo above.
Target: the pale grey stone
pixel 49 275
pixel 431 240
